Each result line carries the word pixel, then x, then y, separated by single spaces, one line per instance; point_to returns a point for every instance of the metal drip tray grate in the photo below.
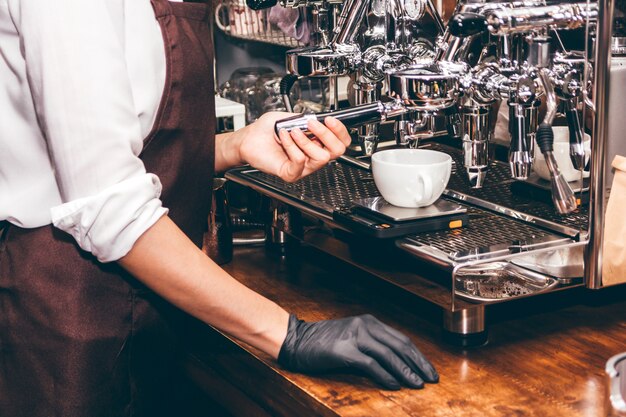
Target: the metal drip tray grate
pixel 332 187
pixel 338 185
pixel 501 194
pixel 496 189
pixel 484 233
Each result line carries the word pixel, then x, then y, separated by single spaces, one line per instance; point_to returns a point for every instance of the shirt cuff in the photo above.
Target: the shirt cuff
pixel 108 224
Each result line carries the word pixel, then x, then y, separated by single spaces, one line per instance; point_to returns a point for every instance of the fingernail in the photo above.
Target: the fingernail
pixel 280 132
pixel 314 122
pixel 331 120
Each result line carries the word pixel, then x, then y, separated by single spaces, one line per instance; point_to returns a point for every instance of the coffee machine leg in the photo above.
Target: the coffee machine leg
pixel 465 327
pixel 283 219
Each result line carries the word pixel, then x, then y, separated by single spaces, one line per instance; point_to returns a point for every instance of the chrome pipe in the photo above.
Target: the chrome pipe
pixel 475 133
pixel 348 22
pixel 525 19
pixel 597 191
pixel 562 194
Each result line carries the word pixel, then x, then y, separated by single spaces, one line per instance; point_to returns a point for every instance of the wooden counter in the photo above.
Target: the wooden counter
pixel 545 357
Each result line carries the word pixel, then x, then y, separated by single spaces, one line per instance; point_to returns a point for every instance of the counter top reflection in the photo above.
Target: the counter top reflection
pixel 545 357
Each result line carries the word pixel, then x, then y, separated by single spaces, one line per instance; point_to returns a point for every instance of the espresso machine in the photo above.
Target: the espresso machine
pixel 515 235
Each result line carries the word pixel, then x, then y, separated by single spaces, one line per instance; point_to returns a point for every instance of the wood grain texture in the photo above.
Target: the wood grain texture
pixel 545 357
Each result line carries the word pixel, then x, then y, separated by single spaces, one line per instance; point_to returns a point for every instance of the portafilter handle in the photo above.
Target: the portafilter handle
pixel 351 117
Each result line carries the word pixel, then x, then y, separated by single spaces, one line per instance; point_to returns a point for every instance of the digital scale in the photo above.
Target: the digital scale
pixel 537 188
pixel 376 217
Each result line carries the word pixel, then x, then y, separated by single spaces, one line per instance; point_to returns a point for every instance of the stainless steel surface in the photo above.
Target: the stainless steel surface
pixel 615 143
pixel 520 163
pixel 539 53
pixel 496 195
pixel 348 22
pixel 346 159
pixel 520 156
pixel 499 281
pixel 475 133
pixel 562 194
pixel 466 321
pixel 482 239
pixel 239 241
pixel 462 79
pixel 424 87
pixel 618 45
pixel 565 264
pixel 339 185
pixel 351 117
pixel 317 62
pixel 381 207
pixel 503 21
pixel 598 195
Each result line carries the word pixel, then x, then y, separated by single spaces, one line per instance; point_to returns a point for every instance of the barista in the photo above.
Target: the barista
pixel 107 152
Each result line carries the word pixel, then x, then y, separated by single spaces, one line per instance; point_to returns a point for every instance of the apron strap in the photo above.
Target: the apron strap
pixel 194 11
pixel 161 7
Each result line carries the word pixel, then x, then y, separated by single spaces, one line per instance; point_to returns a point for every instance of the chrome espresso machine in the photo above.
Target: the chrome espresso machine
pixel 499 232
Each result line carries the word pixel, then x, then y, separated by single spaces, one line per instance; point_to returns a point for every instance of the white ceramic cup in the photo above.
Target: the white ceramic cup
pixel 561 154
pixel 411 177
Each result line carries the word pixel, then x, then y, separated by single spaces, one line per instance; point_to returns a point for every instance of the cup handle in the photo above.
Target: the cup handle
pixel 427 189
pixel 218 21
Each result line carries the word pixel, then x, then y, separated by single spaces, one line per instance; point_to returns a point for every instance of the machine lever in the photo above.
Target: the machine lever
pixel 467 24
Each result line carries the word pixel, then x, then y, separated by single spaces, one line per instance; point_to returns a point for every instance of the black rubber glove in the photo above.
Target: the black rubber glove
pixel 362 343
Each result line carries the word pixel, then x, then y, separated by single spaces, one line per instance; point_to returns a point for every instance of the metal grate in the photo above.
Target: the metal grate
pixel 483 231
pixel 335 186
pixel 236 19
pixel 496 189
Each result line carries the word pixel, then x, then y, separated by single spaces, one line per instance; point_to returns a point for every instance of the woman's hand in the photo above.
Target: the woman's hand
pixel 292 155
pixel 364 343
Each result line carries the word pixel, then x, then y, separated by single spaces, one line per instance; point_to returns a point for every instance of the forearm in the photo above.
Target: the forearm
pixel 227 150
pixel 170 264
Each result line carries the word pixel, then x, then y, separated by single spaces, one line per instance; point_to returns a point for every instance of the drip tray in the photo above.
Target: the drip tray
pixel 539 189
pixel 499 281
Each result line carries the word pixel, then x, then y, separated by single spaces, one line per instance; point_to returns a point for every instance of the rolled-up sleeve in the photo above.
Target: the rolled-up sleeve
pixel 76 67
pixel 109 223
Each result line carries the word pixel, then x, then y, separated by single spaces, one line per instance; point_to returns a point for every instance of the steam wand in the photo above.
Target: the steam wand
pixel 562 195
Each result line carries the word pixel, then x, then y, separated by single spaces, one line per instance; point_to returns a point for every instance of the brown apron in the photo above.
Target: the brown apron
pixel 81 338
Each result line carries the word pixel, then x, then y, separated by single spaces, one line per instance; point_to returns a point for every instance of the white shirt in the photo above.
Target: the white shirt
pixel 80 84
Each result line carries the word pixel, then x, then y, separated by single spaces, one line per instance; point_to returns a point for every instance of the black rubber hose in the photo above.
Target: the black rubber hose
pixel 545 138
pixel 287 82
pixel 285 87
